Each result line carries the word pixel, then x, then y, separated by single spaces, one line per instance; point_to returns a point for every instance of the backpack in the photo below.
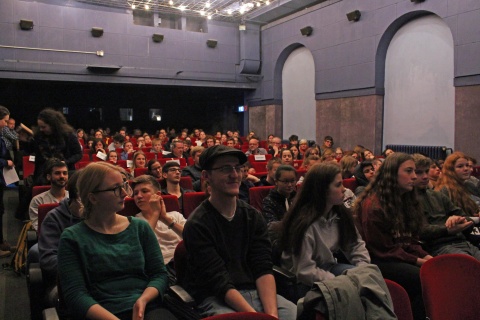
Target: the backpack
pixel 19 260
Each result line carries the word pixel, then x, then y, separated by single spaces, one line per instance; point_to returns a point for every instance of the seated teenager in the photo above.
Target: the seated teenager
pixel 98 146
pixel 348 165
pixel 194 170
pixel 156 146
pixel 390 220
pixel 68 213
pixel 112 156
pixel 280 198
pixel 127 149
pixel 104 281
pixel 168 226
pixel 229 254
pixel 269 179
pixel 295 152
pixel 445 222
pixel 452 183
pixel 364 174
pixel 171 174
pixel 317 227
pixel 139 160
pixel 368 155
pixel 434 175
pixel 154 168
pixel 286 156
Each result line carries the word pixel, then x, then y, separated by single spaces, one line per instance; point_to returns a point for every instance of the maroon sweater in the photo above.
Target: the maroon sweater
pixel 383 244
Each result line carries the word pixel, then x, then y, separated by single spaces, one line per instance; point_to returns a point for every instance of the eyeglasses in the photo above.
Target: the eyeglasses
pixel 229 169
pixel 117 191
pixel 287 181
pixel 157 169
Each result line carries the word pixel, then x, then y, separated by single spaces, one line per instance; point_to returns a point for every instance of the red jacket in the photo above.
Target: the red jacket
pixel 385 244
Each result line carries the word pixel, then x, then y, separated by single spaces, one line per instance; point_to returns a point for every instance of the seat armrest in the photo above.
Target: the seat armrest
pixel 34 274
pixel 32 238
pixel 183 295
pixel 284 275
pixel 50 314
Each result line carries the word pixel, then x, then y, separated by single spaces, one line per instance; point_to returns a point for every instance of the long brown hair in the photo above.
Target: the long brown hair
pixel 457 191
pixel 309 205
pixel 401 211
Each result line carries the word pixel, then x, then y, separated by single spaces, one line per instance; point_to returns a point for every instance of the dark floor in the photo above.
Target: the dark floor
pixel 14 303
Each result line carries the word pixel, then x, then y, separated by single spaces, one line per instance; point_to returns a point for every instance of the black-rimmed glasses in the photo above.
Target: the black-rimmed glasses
pixel 229 169
pixel 117 191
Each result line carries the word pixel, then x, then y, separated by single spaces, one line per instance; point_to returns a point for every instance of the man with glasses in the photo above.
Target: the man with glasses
pixel 275 147
pixel 228 249
pixel 177 150
pixel 253 147
pixel 171 174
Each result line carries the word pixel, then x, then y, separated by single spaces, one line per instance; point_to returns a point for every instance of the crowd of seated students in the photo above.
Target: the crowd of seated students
pixel 387 213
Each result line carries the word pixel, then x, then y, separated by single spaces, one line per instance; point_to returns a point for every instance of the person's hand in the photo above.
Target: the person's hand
pixel 158 207
pixel 457 224
pixel 10 163
pixel 139 309
pixel 252 178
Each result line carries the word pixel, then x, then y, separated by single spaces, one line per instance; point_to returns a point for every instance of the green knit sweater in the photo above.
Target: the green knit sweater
pixel 112 270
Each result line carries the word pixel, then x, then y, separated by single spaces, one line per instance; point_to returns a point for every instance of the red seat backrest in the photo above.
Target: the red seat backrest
pixel 401 301
pixel 43 209
pixel 183 162
pixel 446 280
pixel 85 157
pixel 191 201
pixel 39 189
pixel 186 182
pixel 257 194
pixel 81 164
pixel 297 164
pixel 251 158
pixel 350 183
pixel 139 171
pixel 28 167
pixel 259 166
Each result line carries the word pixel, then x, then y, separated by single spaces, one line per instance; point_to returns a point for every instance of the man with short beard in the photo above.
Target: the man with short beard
pixel 56 172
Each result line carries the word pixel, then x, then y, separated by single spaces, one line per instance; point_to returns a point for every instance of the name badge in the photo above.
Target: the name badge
pixel 260 157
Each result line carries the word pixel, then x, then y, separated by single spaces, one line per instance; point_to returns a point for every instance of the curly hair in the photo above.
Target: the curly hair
pixel 456 188
pixel 57 122
pixel 401 211
pixel 306 209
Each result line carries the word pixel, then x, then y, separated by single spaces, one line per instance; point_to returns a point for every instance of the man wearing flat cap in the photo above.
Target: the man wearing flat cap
pixel 228 249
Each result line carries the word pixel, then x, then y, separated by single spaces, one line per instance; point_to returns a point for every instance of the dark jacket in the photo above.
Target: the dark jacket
pixel 224 254
pixel 4 157
pixel 193 172
pixel 68 149
pixel 52 227
pixel 273 205
pixel 436 209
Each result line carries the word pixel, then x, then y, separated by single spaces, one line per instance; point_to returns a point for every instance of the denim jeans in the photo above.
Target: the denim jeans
pixel 213 306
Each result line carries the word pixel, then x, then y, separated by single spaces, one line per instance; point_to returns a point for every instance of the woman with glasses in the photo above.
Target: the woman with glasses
pixel 280 198
pixel 110 266
pixel 391 219
pixel 317 227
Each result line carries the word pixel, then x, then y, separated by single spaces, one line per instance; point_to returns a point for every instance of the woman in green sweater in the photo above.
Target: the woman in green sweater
pixel 110 266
